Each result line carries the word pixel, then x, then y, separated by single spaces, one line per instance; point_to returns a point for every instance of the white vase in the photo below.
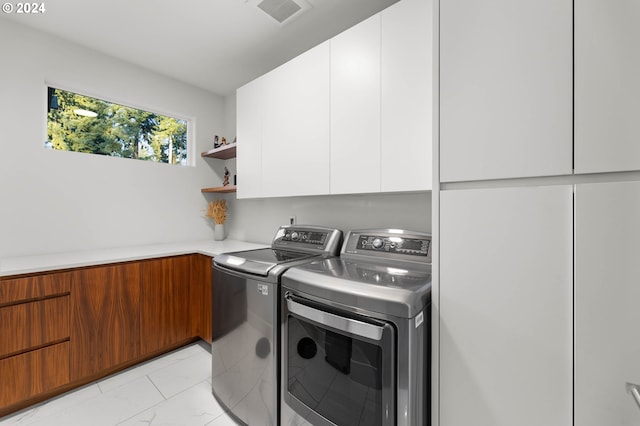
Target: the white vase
pixel 218 232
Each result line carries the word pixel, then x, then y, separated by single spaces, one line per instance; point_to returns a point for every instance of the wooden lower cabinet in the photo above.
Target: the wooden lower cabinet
pixel 105 327
pixel 164 303
pixel 32 373
pixel 62 330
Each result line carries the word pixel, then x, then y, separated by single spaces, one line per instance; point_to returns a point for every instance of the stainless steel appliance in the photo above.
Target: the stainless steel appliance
pixel 245 373
pixel 356 334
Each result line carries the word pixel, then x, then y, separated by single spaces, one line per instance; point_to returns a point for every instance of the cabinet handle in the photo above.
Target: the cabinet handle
pixel 634 390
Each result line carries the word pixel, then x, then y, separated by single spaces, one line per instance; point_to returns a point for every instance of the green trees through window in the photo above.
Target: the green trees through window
pixel 84 124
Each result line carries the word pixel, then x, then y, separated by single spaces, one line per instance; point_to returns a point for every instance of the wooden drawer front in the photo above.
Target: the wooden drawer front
pixel 32 373
pixel 33 324
pixel 36 287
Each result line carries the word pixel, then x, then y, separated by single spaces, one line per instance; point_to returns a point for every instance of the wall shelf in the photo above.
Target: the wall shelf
pixel 223 152
pixel 220 189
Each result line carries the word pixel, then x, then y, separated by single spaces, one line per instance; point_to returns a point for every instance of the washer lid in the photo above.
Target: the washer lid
pixel 390 289
pixel 259 261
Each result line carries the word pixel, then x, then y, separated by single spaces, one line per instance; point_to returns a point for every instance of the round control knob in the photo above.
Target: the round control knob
pixel 294 235
pixel 377 243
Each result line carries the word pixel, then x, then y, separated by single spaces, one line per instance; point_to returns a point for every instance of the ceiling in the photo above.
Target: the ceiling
pixel 217 45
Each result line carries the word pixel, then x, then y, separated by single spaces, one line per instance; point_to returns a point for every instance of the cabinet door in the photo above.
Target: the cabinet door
pixel 407 79
pixel 200 295
pixel 295 144
pixel 355 109
pixel 105 324
pixel 164 316
pixel 607 88
pixel 505 89
pixel 506 307
pixel 607 348
pixel 250 104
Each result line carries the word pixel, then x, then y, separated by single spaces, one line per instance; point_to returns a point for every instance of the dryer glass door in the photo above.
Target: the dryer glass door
pixel 339 366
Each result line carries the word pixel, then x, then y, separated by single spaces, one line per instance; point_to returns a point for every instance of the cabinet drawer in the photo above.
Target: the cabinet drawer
pixel 32 373
pixel 33 324
pixel 20 289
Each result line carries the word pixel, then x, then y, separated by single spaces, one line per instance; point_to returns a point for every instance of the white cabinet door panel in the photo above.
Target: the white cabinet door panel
pixel 505 89
pixel 607 303
pixel 407 96
pixel 249 110
pixel 506 307
pixel 607 106
pixel 355 109
pixel 295 145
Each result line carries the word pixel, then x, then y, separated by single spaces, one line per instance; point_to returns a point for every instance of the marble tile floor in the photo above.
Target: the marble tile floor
pixel 173 389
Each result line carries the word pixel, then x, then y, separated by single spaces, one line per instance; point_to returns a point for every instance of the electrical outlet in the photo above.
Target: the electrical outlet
pixel 292 220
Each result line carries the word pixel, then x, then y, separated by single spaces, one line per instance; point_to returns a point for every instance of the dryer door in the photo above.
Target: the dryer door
pixel 338 367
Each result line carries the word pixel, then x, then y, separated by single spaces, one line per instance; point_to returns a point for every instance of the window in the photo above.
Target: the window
pixel 83 124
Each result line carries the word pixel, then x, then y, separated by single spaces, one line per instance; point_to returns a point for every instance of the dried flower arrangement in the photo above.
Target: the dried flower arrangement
pixel 217 211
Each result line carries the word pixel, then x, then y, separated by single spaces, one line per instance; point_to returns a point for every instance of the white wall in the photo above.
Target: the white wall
pixel 258 219
pixel 55 201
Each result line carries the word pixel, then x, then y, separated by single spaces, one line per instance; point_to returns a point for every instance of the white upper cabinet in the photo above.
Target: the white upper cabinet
pixel 355 109
pixel 607 297
pixel 506 89
pixel 249 111
pixel 295 138
pixel 607 86
pixel 505 306
pixel 407 80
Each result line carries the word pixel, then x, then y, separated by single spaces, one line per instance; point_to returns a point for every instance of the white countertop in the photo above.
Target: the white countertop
pixel 55 261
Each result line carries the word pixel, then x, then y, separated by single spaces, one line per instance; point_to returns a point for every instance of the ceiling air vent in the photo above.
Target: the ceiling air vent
pixel 280 10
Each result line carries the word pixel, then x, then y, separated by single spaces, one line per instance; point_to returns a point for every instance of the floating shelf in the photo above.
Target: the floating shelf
pixel 220 189
pixel 223 152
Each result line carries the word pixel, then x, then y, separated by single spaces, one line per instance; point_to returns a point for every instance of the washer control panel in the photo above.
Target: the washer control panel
pixel 308 238
pixel 390 243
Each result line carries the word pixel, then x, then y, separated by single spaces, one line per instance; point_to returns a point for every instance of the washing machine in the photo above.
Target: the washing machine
pixel 245 325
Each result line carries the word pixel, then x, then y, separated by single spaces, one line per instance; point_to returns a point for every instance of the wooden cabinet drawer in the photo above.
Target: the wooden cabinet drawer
pixel 32 373
pixel 30 325
pixel 36 287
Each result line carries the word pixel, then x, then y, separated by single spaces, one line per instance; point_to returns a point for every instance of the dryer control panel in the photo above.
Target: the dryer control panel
pixel 389 244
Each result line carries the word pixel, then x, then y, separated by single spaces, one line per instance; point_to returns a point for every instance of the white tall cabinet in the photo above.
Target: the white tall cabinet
pixel 607 87
pixel 505 307
pixel 568 224
pixel 607 297
pixel 506 89
pixel 607 224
